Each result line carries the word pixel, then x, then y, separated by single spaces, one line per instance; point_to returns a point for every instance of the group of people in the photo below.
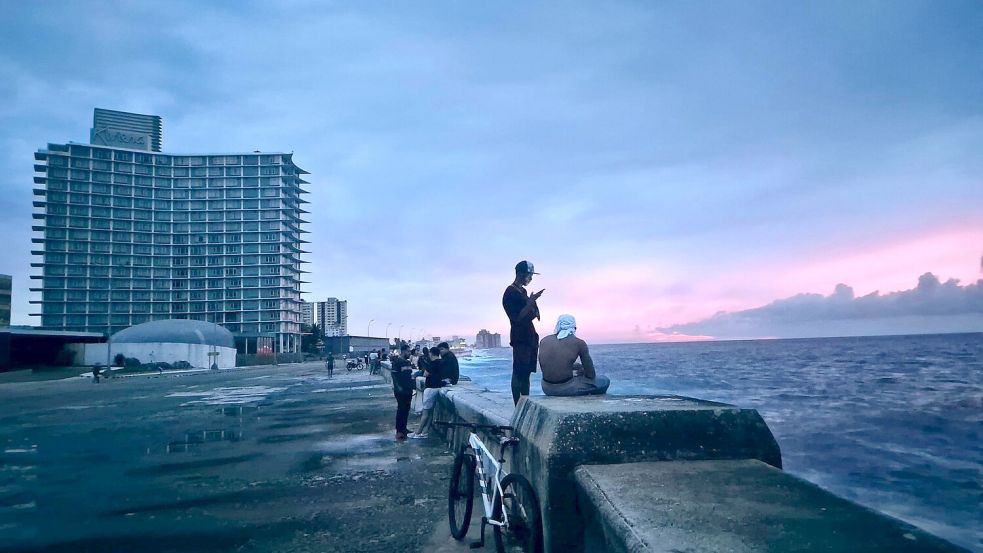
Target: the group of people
pixel 372 360
pixel 422 371
pixel 557 354
pixel 568 369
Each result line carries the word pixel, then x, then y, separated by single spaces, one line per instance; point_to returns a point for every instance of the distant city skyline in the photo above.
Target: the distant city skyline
pixel 660 164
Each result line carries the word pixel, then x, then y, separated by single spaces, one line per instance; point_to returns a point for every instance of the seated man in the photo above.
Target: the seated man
pixel 558 354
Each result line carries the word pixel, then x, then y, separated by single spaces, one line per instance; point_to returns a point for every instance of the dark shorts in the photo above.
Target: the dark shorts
pixel 524 357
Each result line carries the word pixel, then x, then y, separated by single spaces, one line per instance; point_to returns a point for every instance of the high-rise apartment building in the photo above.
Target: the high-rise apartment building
pixel 307 316
pixel 332 315
pixel 485 340
pixel 127 234
pixel 5 289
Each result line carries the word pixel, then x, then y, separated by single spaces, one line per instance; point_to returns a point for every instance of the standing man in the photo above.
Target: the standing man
pixel 402 376
pixel 373 361
pixel 522 309
pixel 329 364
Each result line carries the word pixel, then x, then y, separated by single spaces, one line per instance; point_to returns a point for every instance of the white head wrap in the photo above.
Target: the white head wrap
pixel 566 325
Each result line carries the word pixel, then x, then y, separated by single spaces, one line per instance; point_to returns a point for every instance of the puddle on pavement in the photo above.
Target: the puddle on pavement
pixel 228 396
pixel 197 465
pixel 237 410
pixel 192 439
pixel 349 388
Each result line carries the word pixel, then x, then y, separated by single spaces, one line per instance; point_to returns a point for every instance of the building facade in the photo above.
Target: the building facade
pixel 332 315
pixel 125 235
pixel 486 340
pixel 5 294
pixel 307 313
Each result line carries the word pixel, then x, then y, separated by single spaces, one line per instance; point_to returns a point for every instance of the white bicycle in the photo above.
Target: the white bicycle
pixel 509 500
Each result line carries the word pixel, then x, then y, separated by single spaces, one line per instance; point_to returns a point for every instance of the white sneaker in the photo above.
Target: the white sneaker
pixel 416 436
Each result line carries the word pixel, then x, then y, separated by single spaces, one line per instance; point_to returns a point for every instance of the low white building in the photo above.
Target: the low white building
pixel 197 342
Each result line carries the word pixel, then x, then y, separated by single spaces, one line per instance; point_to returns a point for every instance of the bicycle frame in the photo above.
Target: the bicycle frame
pixel 484 455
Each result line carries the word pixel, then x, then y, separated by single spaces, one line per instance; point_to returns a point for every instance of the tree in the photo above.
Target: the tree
pixel 310 337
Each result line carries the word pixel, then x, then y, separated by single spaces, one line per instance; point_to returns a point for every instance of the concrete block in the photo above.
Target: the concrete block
pixel 742 506
pixel 559 434
pixel 469 403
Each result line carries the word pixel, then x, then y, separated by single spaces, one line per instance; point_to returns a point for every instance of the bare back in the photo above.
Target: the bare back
pixel 557 358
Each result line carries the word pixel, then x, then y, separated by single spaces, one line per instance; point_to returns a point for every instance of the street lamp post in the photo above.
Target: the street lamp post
pixel 387 331
pixel 368 328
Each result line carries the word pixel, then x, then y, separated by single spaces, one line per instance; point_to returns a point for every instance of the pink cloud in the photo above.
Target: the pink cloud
pixel 890 267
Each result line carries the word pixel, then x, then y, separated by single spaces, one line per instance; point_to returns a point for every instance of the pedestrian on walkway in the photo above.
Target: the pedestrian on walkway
pixel 402 377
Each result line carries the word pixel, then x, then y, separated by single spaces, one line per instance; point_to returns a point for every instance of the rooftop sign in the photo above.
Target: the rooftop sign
pixel 120 139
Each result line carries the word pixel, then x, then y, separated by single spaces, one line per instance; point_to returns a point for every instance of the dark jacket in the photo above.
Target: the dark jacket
pixel 449 368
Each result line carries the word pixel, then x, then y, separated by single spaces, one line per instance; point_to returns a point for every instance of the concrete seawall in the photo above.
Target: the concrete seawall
pixel 669 473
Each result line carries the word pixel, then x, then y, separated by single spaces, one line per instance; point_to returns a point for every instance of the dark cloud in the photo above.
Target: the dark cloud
pixel 932 306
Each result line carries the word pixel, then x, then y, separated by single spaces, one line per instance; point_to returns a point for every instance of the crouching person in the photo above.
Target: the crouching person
pixel 562 374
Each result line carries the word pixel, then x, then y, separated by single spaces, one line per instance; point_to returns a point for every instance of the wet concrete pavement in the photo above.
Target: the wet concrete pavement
pixel 259 459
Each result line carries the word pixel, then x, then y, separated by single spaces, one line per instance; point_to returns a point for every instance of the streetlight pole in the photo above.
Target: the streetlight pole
pixel 367 328
pixel 387 330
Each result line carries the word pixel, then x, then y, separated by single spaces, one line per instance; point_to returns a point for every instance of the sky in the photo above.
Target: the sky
pixel 670 167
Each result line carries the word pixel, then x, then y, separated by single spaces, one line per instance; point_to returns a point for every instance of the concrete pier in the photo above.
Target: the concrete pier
pixel 258 459
pixel 659 474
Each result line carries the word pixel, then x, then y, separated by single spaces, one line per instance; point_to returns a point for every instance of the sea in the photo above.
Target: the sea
pixel 894 423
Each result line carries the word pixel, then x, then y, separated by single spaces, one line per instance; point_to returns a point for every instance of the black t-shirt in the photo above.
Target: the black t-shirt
pixel 449 368
pixel 402 380
pixel 523 332
pixel 434 375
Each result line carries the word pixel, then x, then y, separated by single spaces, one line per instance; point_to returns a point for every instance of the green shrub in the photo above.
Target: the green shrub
pixel 118 360
pixel 131 363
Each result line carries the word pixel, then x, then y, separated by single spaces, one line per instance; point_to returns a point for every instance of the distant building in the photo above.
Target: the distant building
pixel 332 316
pixel 5 288
pixel 198 343
pixel 344 345
pixel 125 235
pixel 307 316
pixel 486 340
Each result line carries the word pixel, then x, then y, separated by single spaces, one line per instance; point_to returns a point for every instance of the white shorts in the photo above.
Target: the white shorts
pixel 430 397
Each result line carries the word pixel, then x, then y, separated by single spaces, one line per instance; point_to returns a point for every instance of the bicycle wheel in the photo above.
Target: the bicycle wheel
pixel 460 499
pixel 525 527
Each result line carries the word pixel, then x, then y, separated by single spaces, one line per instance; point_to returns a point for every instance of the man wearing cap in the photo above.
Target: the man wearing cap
pixel 562 375
pixel 522 309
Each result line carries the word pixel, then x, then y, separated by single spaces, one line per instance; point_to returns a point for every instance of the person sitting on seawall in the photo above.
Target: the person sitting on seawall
pixel 562 375
pixel 433 382
pixel 449 368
